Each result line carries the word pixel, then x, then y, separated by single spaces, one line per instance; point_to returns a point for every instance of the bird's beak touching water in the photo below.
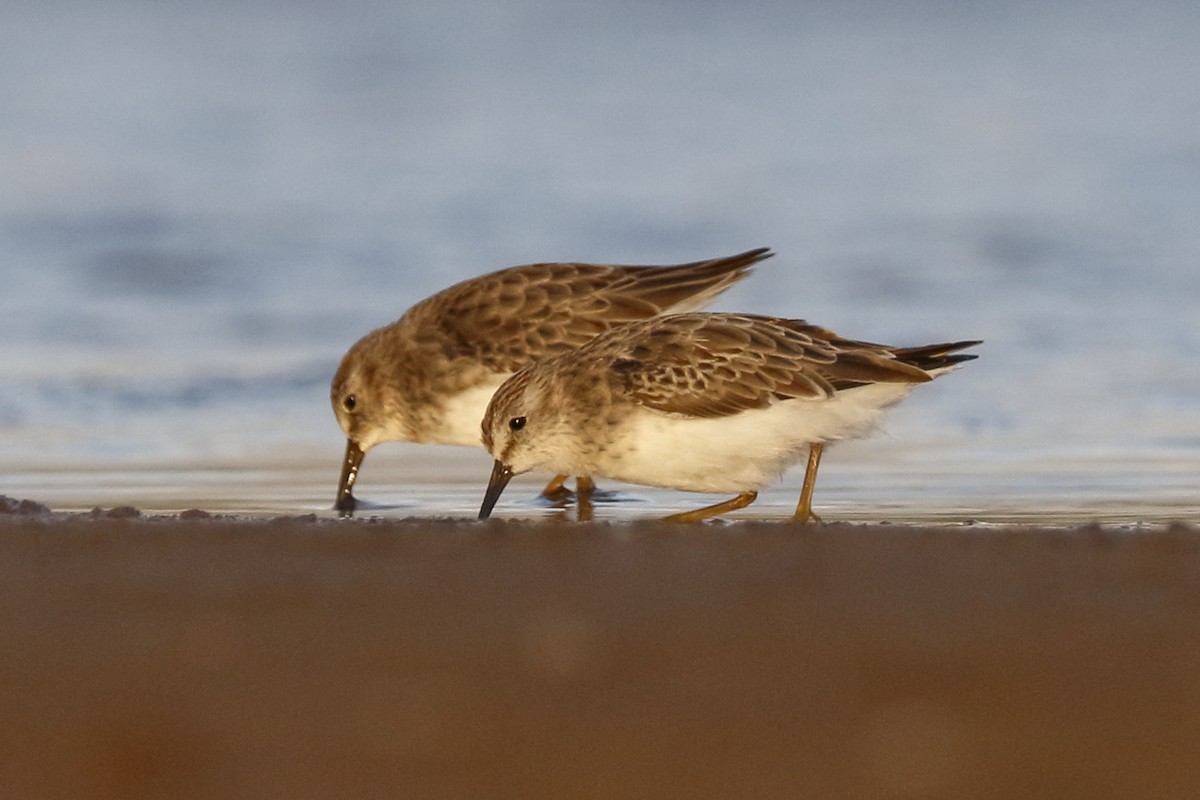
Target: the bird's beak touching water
pixel 501 475
pixel 354 455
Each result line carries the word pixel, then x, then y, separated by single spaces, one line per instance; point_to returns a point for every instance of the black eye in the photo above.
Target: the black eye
pixel 516 423
pixel 350 402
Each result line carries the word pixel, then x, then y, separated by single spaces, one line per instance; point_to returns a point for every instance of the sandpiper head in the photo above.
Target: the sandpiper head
pixel 524 429
pixel 523 425
pixel 366 411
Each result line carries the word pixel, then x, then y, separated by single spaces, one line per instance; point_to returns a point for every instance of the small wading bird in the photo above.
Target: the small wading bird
pixel 702 402
pixel 428 376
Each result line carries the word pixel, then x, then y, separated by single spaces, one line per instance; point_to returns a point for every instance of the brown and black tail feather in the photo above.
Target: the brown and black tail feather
pixel 933 357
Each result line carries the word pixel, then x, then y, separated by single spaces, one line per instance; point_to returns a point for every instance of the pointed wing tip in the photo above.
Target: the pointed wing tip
pixel 758 254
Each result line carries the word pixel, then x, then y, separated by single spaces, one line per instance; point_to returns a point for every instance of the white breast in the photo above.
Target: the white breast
pixel 463 413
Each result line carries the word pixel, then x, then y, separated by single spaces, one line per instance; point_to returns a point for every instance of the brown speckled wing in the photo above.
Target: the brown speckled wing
pixel 712 365
pixel 505 319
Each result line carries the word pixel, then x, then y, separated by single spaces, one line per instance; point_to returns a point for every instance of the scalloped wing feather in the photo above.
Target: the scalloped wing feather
pixel 507 318
pixel 711 365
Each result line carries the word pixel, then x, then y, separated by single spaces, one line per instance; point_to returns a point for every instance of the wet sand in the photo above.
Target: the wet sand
pixel 300 657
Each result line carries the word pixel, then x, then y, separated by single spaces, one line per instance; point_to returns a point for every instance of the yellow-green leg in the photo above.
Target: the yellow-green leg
pixel 555 490
pixel 733 504
pixel 584 486
pixel 804 510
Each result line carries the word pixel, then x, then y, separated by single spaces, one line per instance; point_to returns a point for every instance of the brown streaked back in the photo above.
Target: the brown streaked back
pixel 505 319
pixel 714 364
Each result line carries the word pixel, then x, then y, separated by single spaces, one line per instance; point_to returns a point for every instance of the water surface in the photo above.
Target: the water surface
pixel 205 206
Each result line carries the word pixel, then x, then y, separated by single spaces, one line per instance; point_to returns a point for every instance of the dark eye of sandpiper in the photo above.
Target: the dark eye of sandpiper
pixel 516 423
pixel 350 402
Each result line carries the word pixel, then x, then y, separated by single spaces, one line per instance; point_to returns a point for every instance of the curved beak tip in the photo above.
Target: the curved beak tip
pixel 501 475
pixel 345 503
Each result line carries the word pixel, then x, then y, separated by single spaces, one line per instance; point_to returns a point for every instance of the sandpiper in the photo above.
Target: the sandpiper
pixel 706 402
pixel 428 376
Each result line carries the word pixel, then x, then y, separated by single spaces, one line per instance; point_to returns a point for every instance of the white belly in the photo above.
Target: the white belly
pixel 742 452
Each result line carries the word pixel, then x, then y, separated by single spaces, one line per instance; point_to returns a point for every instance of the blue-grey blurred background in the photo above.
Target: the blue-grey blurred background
pixel 202 205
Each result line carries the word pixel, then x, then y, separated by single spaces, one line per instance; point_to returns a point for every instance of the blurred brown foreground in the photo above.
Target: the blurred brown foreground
pixel 301 658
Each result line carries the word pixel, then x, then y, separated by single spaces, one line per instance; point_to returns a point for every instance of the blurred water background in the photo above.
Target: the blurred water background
pixel 202 205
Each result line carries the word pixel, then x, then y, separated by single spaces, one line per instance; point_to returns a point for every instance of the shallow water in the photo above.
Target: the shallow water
pixel 205 207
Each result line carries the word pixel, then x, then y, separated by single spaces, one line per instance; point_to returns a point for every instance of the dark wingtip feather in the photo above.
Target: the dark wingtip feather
pixel 937 356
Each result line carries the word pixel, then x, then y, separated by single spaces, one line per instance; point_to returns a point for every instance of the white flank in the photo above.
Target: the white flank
pixel 742 452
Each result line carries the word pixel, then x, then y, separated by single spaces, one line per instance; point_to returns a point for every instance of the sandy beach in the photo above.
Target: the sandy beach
pixel 200 656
